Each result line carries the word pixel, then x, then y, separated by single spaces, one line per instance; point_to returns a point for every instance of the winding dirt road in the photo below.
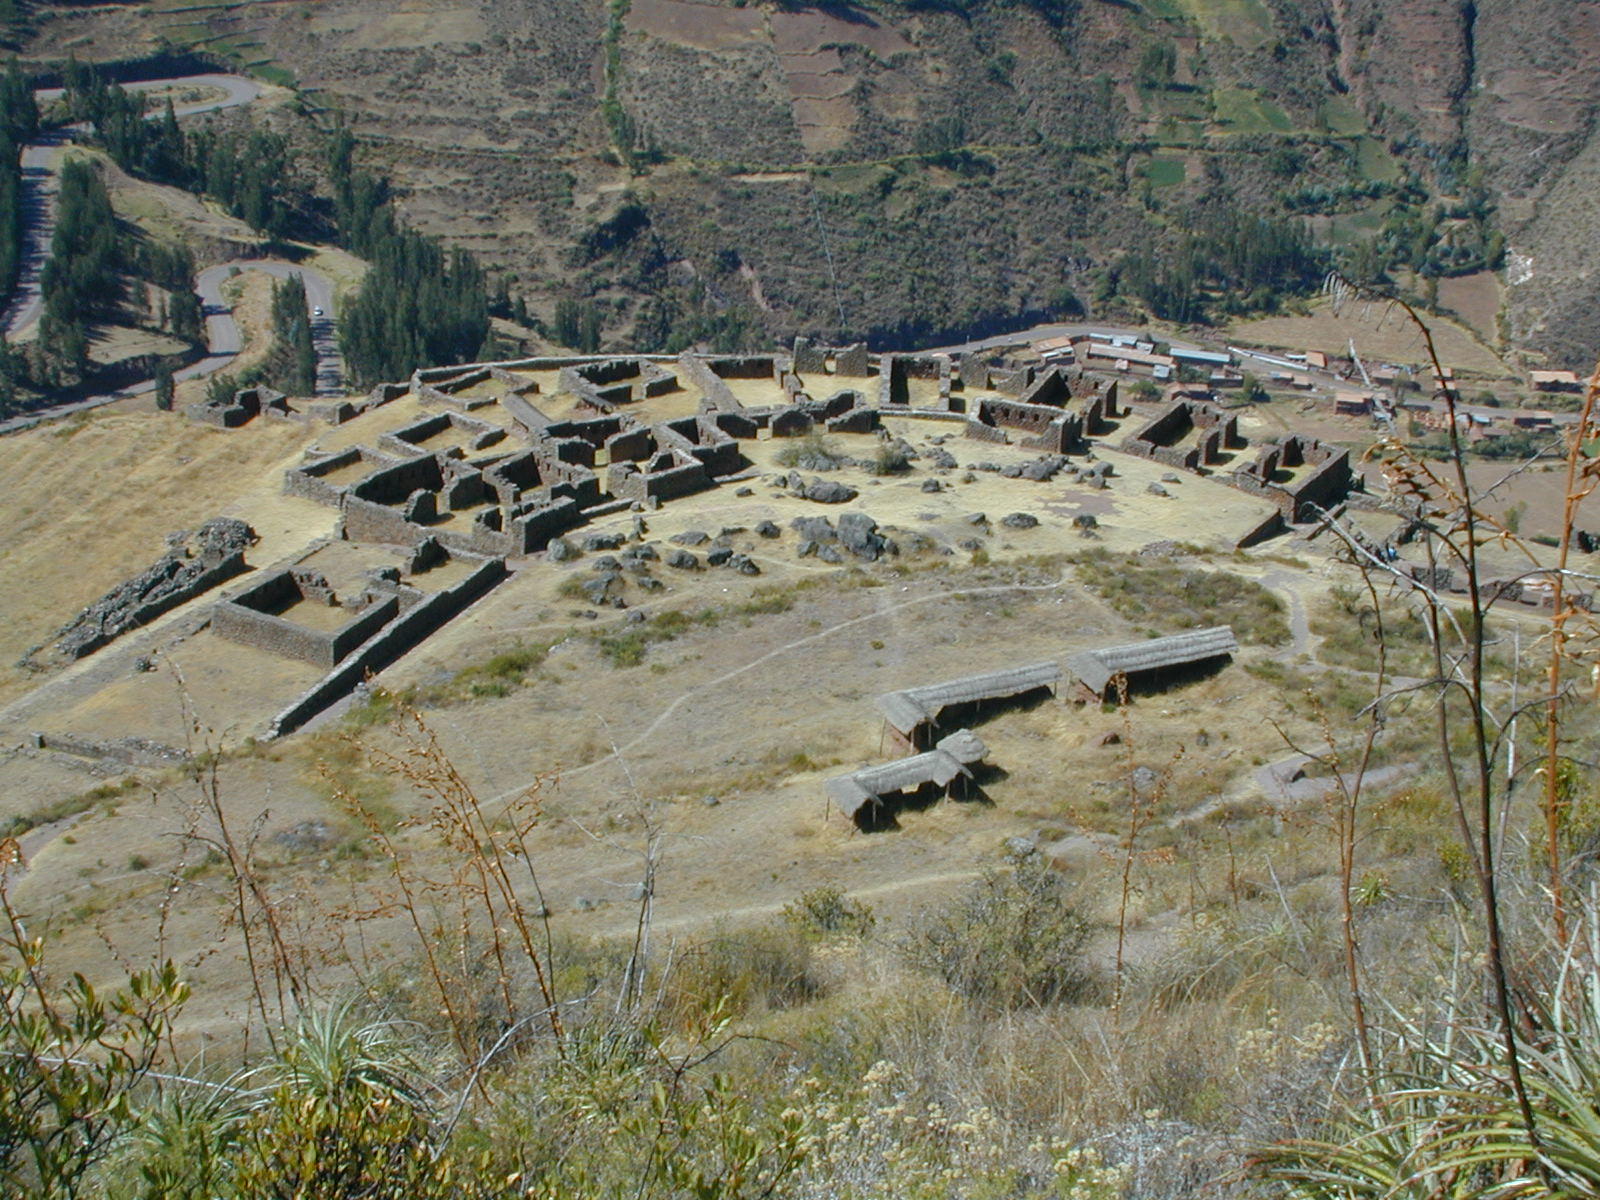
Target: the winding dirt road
pixel 41 162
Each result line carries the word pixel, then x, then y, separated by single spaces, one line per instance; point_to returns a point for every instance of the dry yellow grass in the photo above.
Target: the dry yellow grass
pixel 1381 335
pixel 101 495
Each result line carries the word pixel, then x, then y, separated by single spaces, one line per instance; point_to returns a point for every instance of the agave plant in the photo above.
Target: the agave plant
pixel 1444 1123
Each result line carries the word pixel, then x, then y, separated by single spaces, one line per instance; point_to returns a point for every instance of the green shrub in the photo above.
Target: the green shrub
pixel 766 967
pixel 1011 940
pixel 811 448
pixel 829 909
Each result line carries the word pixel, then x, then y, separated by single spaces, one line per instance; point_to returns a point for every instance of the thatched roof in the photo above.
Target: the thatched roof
pixel 940 765
pixel 907 709
pixel 1097 668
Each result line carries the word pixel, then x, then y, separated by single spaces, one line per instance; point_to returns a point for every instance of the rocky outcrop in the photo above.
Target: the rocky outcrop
pixel 195 563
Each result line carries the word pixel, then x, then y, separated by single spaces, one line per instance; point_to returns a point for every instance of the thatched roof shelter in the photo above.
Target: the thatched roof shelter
pixel 1097 669
pixel 937 768
pixel 911 708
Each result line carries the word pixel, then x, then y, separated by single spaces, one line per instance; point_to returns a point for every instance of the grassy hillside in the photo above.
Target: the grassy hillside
pixel 906 171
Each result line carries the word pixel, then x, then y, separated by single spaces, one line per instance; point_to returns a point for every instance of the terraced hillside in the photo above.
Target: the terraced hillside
pixel 901 171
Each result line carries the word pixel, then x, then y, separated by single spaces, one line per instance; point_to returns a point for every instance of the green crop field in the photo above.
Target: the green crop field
pixel 1164 172
pixel 1374 161
pixel 1243 111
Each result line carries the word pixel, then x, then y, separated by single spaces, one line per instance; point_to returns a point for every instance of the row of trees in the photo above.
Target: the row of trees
pixel 291 364
pixel 419 305
pixel 82 281
pixel 1245 261
pixel 251 173
pixel 19 122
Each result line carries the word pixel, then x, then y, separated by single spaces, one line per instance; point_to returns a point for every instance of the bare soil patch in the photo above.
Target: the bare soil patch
pixel 703 26
pixel 1380 333
pixel 1475 299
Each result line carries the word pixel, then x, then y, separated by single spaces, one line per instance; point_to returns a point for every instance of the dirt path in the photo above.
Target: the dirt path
pixel 811 639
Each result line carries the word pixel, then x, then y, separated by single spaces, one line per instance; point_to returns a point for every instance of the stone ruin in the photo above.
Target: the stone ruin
pixel 248 403
pixel 1190 435
pixel 194 563
pixel 1299 474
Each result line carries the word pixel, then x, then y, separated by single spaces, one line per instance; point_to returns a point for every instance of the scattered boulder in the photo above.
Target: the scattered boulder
pixel 603 541
pixel 718 555
pixel 745 491
pixel 943 460
pixel 683 560
pixel 710 801
pixel 830 554
pixel 307 837
pixel 561 550
pixel 1111 738
pixel 644 553
pixel 814 529
pixel 603 589
pixel 1155 489
pixel 744 565
pixel 651 584
pixel 976 519
pixel 858 533
pixel 768 529
pixel 828 491
pixel 932 485
pixel 1042 470
pixel 1169 477
pixel 690 537
pixel 1085 521
pixel 1019 520
pixel 607 562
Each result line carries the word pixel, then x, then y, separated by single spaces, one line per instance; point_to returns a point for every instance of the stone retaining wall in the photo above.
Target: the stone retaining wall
pixel 405 632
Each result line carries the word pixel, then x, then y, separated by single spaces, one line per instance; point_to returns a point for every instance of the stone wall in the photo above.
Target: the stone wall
pixel 892 387
pixel 307 479
pixel 531 529
pixel 668 475
pixel 700 437
pixel 405 632
pixel 528 418
pixel 1326 485
pixel 244 619
pixel 1048 429
pixel 718 397
pixel 1217 432
pixel 1051 388
pixel 852 361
